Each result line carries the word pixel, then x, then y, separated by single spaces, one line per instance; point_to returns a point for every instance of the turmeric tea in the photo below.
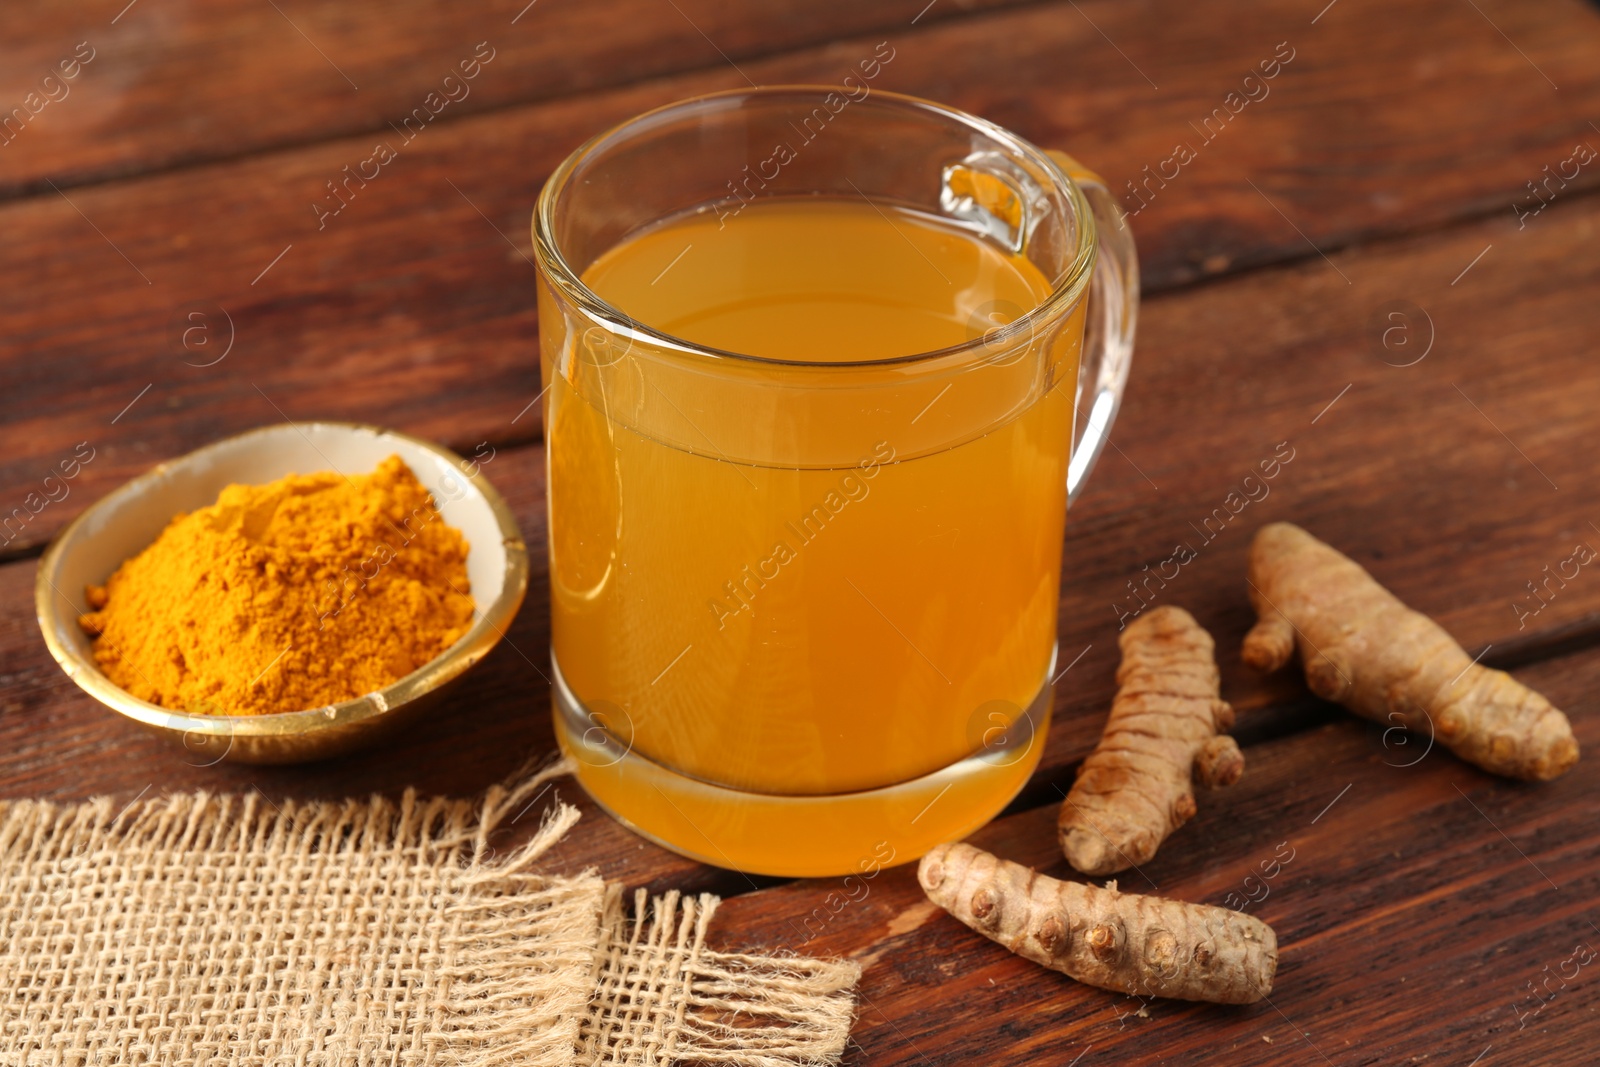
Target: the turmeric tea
pixel 307 591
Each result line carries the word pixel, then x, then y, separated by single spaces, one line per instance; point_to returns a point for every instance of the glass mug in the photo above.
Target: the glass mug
pixel 804 584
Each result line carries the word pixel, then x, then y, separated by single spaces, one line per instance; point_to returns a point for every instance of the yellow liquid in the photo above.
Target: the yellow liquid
pixel 779 601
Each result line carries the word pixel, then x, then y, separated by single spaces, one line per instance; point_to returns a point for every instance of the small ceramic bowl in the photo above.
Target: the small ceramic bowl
pixel 129 519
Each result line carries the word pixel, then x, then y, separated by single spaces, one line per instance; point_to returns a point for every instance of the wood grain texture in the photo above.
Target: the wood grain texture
pixel 174 86
pixel 1429 475
pixel 59 744
pixel 1424 902
pixel 1456 480
pixel 414 306
pixel 1414 898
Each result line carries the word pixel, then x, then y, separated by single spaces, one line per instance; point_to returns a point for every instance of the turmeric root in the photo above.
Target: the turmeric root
pixel 1164 733
pixel 1120 941
pixel 1364 649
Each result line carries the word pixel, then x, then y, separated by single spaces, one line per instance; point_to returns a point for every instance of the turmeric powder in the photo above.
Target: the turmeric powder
pixel 308 591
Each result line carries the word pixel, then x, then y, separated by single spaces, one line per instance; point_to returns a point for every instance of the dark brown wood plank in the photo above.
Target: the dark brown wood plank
pixel 1424 902
pixel 1367 130
pixel 164 88
pixel 409 309
pixel 1417 905
pixel 57 743
pixel 1456 480
pixel 1401 471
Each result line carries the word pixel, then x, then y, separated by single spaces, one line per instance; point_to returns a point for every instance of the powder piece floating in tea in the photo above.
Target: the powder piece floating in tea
pixel 305 592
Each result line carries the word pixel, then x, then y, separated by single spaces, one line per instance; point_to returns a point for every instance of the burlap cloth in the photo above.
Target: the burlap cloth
pixel 197 929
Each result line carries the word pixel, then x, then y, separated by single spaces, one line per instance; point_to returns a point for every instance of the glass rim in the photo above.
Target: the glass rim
pixel 553 262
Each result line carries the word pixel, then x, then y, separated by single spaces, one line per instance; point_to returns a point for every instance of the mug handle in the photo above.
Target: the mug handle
pixel 1108 329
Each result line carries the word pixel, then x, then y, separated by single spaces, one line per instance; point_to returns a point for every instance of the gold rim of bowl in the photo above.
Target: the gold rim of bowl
pixel 485 632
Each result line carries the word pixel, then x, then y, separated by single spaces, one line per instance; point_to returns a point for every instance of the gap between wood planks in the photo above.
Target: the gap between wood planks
pixel 47 186
pixel 1259 725
pixel 1280 719
pixel 1526 650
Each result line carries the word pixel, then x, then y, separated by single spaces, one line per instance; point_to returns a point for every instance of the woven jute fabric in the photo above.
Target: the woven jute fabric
pixel 198 929
pixel 662 996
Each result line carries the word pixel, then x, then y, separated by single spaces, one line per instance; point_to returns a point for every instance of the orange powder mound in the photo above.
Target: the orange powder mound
pixel 283 597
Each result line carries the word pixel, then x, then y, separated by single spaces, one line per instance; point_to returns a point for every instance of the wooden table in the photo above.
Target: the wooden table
pixel 1353 261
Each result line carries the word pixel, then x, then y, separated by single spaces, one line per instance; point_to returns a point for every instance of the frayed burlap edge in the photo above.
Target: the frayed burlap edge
pixel 503 988
pixel 662 996
pixel 498 976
